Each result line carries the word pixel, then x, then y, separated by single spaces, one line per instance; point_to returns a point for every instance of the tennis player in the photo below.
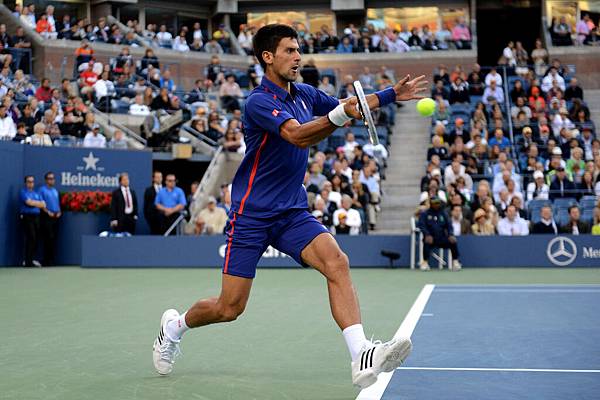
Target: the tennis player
pixel 269 205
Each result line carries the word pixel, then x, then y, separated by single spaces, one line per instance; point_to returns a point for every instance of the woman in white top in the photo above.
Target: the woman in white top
pixel 537 190
pixel 39 137
pixel 180 44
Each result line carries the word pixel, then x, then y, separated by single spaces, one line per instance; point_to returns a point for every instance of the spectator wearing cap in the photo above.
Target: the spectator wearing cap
pixel 211 220
pixel 575 226
pixel 512 224
pixel 561 187
pixel 482 226
pixel 459 131
pixel 537 190
pixel 438 232
pixel 94 138
pixel 347 218
pixel 169 201
pixel 546 224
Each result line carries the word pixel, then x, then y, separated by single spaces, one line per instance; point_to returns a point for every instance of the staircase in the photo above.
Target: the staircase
pixel 406 167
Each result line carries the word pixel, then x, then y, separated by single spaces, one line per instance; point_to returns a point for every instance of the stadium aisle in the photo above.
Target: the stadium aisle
pixel 405 164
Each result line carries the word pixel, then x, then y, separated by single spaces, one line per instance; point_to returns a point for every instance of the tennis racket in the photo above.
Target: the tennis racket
pixel 365 112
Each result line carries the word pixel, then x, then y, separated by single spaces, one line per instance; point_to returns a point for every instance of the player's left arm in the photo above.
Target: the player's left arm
pixel 406 89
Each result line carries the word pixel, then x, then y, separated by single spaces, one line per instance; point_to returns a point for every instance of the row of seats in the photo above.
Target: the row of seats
pixel 560 208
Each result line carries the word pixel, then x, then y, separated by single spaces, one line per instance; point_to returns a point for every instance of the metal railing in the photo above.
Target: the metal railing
pixel 119 126
pixel 177 224
pixel 416 249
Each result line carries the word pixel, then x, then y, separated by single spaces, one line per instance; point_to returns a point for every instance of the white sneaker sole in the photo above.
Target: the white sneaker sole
pixel 161 367
pixel 396 354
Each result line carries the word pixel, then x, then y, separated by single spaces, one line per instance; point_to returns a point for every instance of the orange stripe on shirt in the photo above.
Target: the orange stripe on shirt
pixel 253 173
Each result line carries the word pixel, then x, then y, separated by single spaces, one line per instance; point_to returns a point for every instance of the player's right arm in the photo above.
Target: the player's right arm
pixel 266 112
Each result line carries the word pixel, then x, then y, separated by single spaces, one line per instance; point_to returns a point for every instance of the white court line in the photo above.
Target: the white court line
pixel 570 371
pixel 515 290
pixel 375 391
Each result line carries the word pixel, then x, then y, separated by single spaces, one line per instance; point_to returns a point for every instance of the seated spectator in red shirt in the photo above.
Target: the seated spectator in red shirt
pixel 44 92
pixel 88 79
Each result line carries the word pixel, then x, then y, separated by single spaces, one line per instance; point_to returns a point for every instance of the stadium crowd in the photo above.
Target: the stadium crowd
pixel 515 157
pixel 585 32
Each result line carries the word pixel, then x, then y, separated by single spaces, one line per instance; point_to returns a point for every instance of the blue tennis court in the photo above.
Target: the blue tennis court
pixel 499 342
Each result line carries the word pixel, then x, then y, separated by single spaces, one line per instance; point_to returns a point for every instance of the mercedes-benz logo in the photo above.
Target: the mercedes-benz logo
pixel 561 251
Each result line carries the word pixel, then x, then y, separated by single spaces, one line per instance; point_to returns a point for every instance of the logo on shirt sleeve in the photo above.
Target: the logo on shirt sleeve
pixel 275 112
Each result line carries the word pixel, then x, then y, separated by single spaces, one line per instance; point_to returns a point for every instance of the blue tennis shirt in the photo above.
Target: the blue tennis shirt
pixel 269 179
pixel 25 195
pixel 50 196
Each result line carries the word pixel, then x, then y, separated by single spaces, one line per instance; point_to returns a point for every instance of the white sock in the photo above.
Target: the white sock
pixel 177 327
pixel 354 336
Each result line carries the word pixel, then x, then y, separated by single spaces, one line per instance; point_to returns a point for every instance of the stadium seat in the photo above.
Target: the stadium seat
pixel 564 203
pixel 538 204
pixel 587 216
pixel 588 202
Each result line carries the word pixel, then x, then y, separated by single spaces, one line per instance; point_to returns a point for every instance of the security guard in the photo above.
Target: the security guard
pixel 437 232
pixel 30 204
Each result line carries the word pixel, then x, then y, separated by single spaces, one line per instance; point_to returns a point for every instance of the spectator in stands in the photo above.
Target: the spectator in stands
pixel 367 176
pixel 553 75
pixel 438 148
pixel 39 137
pixel 30 204
pixel 537 190
pixel 460 226
pixel 546 224
pixel 493 92
pixel 138 107
pixel 539 55
pixel 482 226
pixel 215 71
pixel 164 38
pixel 310 73
pixel 28 18
pixel 94 138
pixel 437 232
pixel 180 43
pixel 8 129
pixel 169 202
pixel 561 121
pixel 575 226
pixel 499 140
pixel 346 220
pixel 493 75
pixel 213 47
pixel 508 55
pixel 211 220
pixel 461 35
pixel 583 29
pixel 596 222
pixel 326 86
pixel 522 60
pixel 561 33
pixel 230 93
pixel 459 91
pixel 586 186
pixel 20 41
pixel 123 207
pixel 44 28
pixel 345 46
pixel 118 141
pixel 561 186
pixel 513 224
pixel 574 91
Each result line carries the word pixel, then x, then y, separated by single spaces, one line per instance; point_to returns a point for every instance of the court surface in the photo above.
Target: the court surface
pixel 70 333
pixel 500 342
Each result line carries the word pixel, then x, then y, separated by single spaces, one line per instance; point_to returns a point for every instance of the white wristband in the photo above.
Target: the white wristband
pixel 338 116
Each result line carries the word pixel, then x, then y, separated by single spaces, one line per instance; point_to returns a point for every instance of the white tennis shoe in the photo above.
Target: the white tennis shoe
pixel 377 357
pixel 165 350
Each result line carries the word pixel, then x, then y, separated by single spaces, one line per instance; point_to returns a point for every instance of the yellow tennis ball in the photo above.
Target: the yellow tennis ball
pixel 426 107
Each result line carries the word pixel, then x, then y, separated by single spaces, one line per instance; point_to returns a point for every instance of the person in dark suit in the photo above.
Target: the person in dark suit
pixel 150 211
pixel 561 186
pixel 123 207
pixel 546 224
pixel 575 226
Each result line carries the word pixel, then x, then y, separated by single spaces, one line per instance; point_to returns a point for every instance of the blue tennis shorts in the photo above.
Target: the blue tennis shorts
pixel 248 238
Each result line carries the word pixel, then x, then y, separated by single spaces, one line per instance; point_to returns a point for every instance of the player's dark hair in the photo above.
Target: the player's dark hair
pixel 268 37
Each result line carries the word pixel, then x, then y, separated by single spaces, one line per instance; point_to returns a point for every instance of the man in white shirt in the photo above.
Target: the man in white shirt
pixel 551 77
pixel 495 91
pixel 118 141
pixel 512 224
pixel 8 129
pixel 349 145
pixel 352 216
pixel 164 38
pixel 94 138
pixel 139 108
pixel 493 76
pixel 103 87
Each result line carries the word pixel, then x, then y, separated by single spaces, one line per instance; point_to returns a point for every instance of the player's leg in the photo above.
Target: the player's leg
pixel 324 255
pixel 246 241
pixel 308 242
